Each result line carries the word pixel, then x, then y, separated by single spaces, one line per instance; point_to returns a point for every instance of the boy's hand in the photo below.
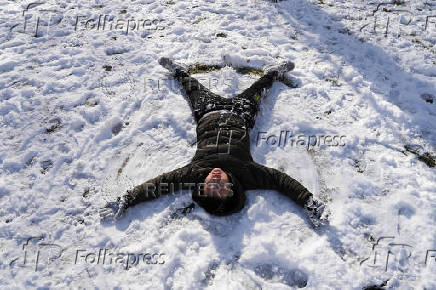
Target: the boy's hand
pixel 317 212
pixel 113 210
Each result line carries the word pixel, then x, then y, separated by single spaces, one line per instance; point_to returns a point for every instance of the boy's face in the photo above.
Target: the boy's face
pixel 217 184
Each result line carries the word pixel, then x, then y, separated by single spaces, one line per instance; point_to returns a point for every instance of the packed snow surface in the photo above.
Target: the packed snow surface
pixel 86 113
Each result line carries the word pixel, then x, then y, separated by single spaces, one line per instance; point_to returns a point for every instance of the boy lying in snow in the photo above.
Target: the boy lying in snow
pixel 222 168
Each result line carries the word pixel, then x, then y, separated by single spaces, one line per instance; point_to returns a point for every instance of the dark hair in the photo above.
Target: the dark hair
pixel 222 206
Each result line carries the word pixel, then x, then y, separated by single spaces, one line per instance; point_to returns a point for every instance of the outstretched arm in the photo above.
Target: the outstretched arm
pixel 151 189
pixel 270 178
pixel 163 184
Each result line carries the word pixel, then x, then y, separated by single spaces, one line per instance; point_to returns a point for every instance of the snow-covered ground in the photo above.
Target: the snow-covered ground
pixel 83 119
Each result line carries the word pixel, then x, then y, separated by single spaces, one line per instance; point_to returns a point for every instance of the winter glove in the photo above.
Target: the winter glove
pixel 113 210
pixel 188 209
pixel 280 70
pixel 172 66
pixel 315 210
pixel 183 210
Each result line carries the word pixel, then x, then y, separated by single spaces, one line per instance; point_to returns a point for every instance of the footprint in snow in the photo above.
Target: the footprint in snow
pixel 292 278
pixel 46 165
pixel 209 275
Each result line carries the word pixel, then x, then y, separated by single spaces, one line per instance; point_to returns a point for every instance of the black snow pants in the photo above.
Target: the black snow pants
pixel 246 104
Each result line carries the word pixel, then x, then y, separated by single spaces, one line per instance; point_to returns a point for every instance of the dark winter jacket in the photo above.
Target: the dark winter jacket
pixel 222 142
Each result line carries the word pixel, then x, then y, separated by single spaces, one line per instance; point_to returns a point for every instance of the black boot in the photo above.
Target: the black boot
pixel 173 67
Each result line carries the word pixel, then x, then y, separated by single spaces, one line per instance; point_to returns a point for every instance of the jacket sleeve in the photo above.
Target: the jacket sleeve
pixel 166 183
pixel 270 178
